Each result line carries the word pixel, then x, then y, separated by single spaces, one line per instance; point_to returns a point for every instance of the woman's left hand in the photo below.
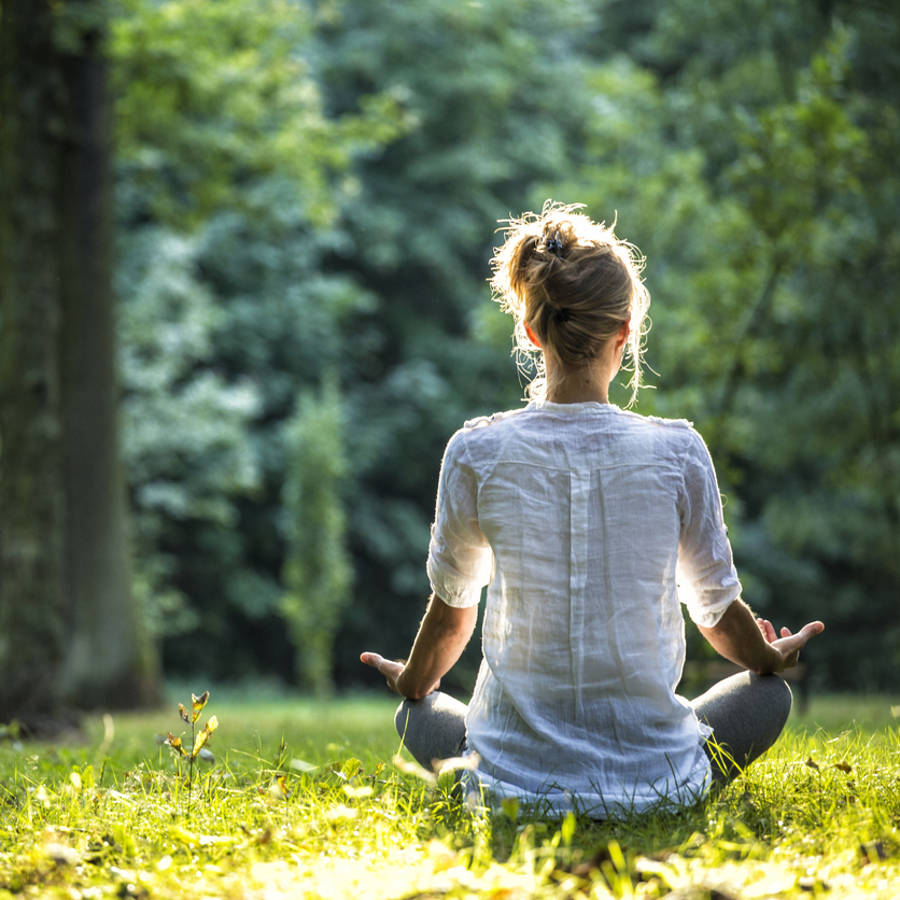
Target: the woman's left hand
pixel 788 643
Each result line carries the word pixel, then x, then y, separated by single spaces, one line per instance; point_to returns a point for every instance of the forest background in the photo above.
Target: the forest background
pixel 302 200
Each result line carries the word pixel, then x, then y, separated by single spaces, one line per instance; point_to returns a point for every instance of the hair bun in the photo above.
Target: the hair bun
pixel 572 283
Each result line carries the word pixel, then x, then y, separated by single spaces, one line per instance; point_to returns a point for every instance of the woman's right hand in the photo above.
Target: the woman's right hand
pixel 390 669
pixel 393 671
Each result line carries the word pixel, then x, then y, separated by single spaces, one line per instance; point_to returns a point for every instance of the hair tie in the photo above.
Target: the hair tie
pixel 561 315
pixel 554 245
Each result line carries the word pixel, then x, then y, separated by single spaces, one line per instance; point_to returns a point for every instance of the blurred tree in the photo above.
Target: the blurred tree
pixel 751 166
pixel 317 573
pixel 185 423
pixel 62 125
pixel 496 103
pixel 310 187
pixel 804 411
pixel 229 175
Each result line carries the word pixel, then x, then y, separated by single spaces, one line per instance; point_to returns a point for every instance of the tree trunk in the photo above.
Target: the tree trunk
pixel 31 494
pixel 108 661
pixel 59 333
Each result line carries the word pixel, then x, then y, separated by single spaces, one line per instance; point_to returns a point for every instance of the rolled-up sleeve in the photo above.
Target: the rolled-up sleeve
pixel 459 557
pixel 704 551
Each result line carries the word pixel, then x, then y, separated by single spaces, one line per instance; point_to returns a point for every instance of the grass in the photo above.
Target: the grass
pixel 303 800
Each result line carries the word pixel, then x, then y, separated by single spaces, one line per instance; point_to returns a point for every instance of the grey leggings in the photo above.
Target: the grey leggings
pixel 745 711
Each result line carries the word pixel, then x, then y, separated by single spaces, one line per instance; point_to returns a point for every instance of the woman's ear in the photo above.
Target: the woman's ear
pixel 532 336
pixel 622 335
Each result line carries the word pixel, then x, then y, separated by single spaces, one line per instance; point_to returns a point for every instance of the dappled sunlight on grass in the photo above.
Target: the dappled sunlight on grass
pixel 303 800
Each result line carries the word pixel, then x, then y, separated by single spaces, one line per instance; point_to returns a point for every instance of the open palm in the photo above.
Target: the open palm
pixel 789 644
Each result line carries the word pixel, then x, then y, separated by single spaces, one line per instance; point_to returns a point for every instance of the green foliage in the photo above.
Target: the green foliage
pixel 317 573
pixel 311 188
pixel 748 173
pixel 183 422
pixel 419 238
pixel 228 177
pixel 805 394
pixel 237 79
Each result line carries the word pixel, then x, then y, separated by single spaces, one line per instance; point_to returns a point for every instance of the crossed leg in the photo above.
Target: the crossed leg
pixel 746 712
pixel 432 728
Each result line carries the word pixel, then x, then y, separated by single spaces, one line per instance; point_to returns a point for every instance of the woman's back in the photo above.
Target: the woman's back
pixel 583 506
pixel 578 515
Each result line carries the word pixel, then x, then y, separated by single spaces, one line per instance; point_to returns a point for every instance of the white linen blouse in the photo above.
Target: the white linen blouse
pixel 577 515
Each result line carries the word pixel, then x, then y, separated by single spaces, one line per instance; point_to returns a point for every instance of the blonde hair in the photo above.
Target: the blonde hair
pixel 574 283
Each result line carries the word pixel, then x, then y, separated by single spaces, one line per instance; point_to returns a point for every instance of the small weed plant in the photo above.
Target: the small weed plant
pixel 199 739
pixel 309 800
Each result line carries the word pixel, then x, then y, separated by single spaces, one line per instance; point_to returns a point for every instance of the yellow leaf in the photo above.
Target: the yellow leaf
pixel 197 704
pixel 202 738
pixel 184 713
pixel 278 788
pixel 212 724
pixel 175 744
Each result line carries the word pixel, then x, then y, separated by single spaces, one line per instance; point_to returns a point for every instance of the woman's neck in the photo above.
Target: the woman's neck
pixel 581 384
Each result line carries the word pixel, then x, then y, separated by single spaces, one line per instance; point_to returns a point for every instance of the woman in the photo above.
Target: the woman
pixel 577 514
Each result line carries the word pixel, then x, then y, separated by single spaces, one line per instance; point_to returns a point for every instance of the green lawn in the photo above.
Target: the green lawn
pixel 303 800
